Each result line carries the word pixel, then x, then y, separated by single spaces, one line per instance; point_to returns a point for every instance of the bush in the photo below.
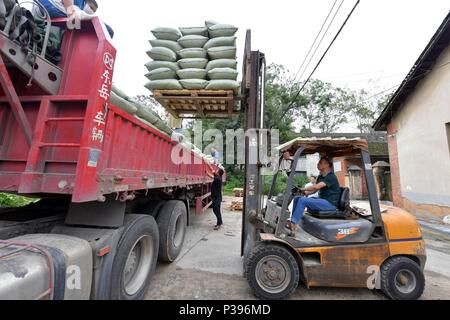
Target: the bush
pixel 236 180
pixel 299 180
pixel 12 201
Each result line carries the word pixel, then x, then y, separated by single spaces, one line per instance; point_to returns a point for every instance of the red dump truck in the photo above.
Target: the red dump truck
pixel 111 198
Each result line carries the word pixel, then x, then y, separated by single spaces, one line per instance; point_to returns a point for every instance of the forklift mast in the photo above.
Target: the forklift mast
pixel 253 86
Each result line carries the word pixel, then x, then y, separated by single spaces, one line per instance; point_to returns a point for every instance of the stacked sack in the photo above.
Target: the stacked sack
pixel 123 101
pixel 193 58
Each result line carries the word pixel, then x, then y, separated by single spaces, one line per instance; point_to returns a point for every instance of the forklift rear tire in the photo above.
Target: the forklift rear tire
pixel 272 272
pixel 135 260
pixel 172 222
pixel 402 279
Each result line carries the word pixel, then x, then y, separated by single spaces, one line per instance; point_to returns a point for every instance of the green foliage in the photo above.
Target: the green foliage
pixel 234 180
pixel 365 110
pixel 281 109
pixel 326 108
pixel 13 201
pixel 282 179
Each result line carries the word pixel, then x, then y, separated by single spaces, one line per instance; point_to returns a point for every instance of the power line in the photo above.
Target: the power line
pixel 354 75
pixel 365 79
pixel 324 55
pixel 406 81
pixel 321 40
pixel 315 40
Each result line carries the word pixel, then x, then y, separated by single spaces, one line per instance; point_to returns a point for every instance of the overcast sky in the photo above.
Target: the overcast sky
pixel 376 49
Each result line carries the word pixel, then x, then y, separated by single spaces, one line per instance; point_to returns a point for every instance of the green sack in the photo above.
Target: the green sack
pixel 223 74
pixel 194 84
pixel 122 103
pixel 152 65
pixel 147 114
pixel 222 30
pixel 192 53
pixel 191 73
pixel 162 54
pixel 161 125
pixel 169 44
pixel 196 63
pixel 166 34
pixel 193 41
pixel 221 42
pixel 119 92
pixel 222 63
pixel 222 85
pixel 210 23
pixel 161 74
pixel 222 53
pixel 169 84
pixel 155 127
pixel 194 31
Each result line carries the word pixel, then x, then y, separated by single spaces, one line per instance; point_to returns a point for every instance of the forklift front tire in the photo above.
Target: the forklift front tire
pixel 272 272
pixel 402 279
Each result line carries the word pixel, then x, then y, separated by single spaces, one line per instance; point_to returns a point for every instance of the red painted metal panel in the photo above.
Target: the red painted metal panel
pixel 81 145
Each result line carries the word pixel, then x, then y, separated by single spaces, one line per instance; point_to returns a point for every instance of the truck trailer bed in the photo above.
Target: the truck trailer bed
pixel 76 142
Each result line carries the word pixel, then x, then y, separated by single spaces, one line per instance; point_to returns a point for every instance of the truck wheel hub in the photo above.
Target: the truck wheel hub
pixel 138 265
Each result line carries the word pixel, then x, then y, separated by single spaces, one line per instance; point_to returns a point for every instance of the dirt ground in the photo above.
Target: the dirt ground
pixel 210 267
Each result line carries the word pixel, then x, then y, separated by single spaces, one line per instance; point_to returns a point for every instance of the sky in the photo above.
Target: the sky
pixel 381 41
pixel 375 51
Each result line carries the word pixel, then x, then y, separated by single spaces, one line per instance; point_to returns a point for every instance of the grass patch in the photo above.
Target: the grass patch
pixel 12 201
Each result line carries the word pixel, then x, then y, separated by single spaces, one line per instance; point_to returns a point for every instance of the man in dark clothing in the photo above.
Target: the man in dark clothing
pixel 216 194
pixel 329 192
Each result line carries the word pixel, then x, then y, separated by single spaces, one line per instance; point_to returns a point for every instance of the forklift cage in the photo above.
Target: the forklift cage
pixel 330 148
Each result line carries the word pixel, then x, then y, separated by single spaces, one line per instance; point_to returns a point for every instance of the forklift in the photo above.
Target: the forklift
pixel 380 250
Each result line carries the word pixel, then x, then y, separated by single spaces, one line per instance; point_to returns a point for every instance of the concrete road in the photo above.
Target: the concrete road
pixel 210 267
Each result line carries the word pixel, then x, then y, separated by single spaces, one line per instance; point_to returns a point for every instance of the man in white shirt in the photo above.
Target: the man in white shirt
pixel 79 9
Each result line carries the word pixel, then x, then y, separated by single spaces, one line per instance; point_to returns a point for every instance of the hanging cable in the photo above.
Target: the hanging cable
pixel 315 40
pixel 321 40
pixel 324 55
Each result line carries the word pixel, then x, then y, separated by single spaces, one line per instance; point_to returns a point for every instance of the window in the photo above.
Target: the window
pixel 447 127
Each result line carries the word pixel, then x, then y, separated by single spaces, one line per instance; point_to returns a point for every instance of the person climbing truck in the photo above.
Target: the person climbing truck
pixel 74 9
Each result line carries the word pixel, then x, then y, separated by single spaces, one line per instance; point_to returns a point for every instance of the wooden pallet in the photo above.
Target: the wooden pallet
pixel 238 192
pixel 194 104
pixel 237 206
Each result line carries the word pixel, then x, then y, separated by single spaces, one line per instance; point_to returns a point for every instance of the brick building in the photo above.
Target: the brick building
pixel 417 120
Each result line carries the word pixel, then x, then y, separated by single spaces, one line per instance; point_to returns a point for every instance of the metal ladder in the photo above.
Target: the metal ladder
pixel 45 74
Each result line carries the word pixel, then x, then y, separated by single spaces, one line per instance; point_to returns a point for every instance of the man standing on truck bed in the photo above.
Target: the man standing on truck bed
pixel 83 9
pixel 216 194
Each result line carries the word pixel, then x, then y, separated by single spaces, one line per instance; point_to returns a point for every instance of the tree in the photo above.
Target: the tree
pixel 365 110
pixel 282 105
pixel 152 104
pixel 326 107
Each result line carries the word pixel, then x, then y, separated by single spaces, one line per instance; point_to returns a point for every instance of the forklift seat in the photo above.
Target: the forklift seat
pixel 340 213
pixel 338 231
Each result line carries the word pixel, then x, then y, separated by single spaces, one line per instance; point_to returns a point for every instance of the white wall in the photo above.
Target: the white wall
pixel 423 150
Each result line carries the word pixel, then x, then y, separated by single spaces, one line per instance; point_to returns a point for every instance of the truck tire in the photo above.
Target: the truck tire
pixel 135 259
pixel 272 272
pixel 402 279
pixel 172 222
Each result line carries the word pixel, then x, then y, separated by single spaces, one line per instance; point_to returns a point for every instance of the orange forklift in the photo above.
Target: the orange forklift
pixel 380 249
pixel 343 248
